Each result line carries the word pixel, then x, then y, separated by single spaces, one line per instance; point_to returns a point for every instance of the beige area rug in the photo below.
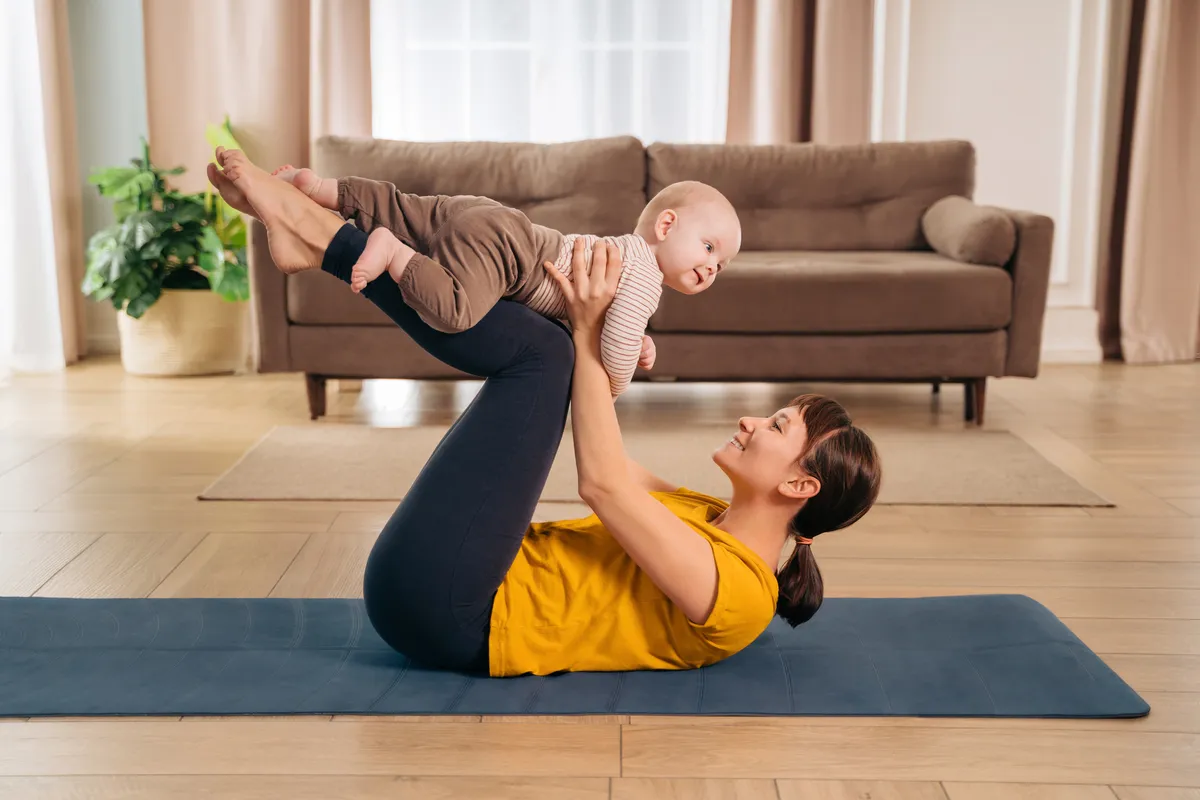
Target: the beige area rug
pixel 352 462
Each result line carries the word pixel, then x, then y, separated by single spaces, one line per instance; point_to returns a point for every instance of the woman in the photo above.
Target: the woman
pixel 658 577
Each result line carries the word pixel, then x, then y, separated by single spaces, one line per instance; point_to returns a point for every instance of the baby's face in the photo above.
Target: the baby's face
pixel 695 245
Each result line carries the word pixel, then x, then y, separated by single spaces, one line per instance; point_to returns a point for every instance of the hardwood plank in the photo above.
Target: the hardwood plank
pixel 122 565
pixel 17 447
pixel 1170 712
pixel 208 517
pixel 565 719
pixel 28 560
pixel 104 485
pixel 1188 505
pixel 860 790
pixel 1096 522
pixel 408 718
pixel 1156 673
pixel 1155 793
pixel 41 478
pixel 945 545
pixel 989 573
pixel 922 754
pixel 233 565
pixel 186 501
pixel 329 565
pixel 265 787
pixel 276 747
pixel 685 789
pixel 1026 791
pixel 1144 636
pixel 1103 604
pixel 1037 511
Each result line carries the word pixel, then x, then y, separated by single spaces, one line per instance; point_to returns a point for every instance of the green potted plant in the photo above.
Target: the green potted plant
pixel 174 265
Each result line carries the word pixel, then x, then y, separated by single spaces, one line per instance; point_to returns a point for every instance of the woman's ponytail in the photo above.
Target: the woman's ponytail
pixel 845 462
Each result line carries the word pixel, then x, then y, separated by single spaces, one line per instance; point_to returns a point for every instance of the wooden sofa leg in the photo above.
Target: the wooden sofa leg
pixel 974 399
pixel 937 387
pixel 316 394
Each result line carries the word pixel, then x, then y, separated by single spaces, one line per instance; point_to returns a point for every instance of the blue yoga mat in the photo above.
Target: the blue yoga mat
pixel 973 656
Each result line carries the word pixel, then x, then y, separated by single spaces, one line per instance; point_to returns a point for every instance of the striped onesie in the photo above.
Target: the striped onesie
pixel 473 252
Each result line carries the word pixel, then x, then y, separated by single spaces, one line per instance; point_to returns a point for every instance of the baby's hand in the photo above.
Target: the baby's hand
pixel 646 359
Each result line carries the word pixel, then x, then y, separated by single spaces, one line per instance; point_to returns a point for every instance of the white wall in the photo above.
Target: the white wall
pixel 1025 81
pixel 108 66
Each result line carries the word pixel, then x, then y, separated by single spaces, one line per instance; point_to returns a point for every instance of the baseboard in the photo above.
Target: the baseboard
pixel 104 344
pixel 1070 336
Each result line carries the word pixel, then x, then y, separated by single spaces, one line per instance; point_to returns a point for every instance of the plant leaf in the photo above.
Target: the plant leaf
pixel 221 136
pixel 142 302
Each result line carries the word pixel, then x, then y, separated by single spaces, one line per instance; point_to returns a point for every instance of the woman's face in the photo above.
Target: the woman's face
pixel 762 454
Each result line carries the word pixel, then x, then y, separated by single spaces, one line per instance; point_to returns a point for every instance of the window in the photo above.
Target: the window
pixel 550 70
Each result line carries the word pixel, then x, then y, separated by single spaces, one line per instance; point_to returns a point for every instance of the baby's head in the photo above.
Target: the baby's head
pixel 694 231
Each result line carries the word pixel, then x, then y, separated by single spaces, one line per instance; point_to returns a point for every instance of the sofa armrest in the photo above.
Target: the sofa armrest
pixel 1030 270
pixel 268 291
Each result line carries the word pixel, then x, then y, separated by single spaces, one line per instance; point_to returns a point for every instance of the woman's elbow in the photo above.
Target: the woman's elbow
pixel 591 492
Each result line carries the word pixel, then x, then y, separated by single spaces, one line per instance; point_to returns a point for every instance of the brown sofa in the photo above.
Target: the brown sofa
pixel 837 279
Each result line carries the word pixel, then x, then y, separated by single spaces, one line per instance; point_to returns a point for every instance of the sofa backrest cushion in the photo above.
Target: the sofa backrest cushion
pixel 824 197
pixel 594 186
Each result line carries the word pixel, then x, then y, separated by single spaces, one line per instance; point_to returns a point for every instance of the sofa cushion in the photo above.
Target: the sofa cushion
pixel 842 292
pixel 593 186
pixel 824 197
pixel 959 229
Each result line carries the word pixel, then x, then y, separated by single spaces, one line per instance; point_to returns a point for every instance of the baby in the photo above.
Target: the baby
pixel 455 257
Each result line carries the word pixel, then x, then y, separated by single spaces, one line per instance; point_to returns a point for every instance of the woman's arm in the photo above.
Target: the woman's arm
pixel 678 559
pixel 647 479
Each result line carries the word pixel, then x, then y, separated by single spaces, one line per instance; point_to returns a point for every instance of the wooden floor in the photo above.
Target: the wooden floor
pixel 99 471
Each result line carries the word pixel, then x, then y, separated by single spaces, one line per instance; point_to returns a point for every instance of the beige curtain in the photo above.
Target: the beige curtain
pixel 1152 305
pixel 284 71
pixel 800 70
pixel 62 150
pixel 841 100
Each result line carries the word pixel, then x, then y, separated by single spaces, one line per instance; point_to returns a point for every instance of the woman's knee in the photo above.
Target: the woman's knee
pixel 551 343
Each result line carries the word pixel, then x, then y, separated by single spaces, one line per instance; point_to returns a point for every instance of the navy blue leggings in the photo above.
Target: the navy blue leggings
pixel 434 571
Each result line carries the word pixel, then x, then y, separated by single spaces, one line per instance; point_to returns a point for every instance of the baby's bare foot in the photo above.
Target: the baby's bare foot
pixel 383 253
pixel 298 230
pixel 323 190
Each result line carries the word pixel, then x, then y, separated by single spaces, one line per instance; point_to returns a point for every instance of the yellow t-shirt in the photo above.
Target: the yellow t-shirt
pixel 575 601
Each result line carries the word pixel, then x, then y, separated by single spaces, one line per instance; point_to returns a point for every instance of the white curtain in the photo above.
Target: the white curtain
pixel 30 325
pixel 550 70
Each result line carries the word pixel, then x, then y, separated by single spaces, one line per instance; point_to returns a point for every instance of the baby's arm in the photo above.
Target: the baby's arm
pixel 622 340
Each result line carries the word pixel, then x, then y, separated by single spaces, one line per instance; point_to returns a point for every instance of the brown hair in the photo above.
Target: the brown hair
pixel 843 458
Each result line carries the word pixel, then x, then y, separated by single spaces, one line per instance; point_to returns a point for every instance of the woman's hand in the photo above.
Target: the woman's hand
pixel 590 290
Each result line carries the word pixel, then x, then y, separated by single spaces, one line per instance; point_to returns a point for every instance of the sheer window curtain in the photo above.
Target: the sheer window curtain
pixel 31 331
pixel 550 70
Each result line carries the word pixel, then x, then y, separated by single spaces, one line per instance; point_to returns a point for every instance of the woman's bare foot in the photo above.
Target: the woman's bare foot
pixel 298 230
pixel 383 253
pixel 323 190
pixel 229 193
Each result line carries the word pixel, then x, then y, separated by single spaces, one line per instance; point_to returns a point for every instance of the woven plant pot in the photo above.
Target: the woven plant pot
pixel 187 332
